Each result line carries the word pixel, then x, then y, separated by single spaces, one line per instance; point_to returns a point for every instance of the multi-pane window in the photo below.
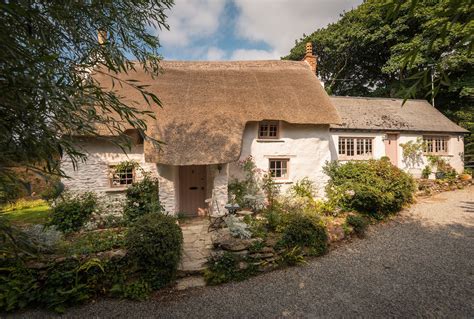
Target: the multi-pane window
pixel 279 168
pixel 355 147
pixel 121 178
pixel 436 144
pixel 268 129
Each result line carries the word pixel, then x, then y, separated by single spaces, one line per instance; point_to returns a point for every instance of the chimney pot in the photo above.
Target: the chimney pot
pixel 309 48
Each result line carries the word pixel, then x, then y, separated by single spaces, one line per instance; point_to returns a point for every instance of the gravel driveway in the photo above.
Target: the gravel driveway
pixel 419 265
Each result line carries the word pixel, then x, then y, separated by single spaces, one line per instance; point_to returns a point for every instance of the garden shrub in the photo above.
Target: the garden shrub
pixel 18 286
pixel 305 232
pixel 93 242
pixel 426 172
pixel 358 223
pixel 61 284
pixel 256 190
pixel 226 267
pixel 138 290
pixel 237 227
pixel 274 219
pixel 142 198
pixel 373 187
pixel 72 213
pixel 292 257
pixel 303 188
pixel 154 243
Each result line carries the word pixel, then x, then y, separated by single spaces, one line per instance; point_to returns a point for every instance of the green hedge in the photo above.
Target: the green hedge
pixel 306 233
pixel 142 198
pixel 374 187
pixel 154 243
pixel 73 212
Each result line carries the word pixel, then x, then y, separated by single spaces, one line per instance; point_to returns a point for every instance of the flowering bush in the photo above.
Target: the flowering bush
pixel 72 213
pixel 142 198
pixel 256 190
pixel 373 187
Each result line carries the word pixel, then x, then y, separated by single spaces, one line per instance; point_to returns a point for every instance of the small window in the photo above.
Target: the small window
pixel 122 178
pixel 435 145
pixel 355 147
pixel 279 168
pixel 268 129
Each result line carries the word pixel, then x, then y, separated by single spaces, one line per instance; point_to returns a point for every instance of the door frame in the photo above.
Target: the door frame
pixel 387 140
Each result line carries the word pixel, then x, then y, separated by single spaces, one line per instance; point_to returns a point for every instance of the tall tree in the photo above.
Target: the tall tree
pixel 47 49
pixel 407 48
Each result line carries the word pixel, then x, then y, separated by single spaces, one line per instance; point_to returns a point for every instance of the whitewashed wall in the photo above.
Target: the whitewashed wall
pixel 308 147
pixel 454 157
pixel 93 175
pixel 455 149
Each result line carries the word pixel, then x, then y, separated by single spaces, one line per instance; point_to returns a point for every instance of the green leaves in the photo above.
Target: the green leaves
pixel 48 50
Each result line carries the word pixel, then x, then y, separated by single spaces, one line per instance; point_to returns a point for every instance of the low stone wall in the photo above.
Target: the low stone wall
pixel 262 252
pixel 427 187
pixel 257 251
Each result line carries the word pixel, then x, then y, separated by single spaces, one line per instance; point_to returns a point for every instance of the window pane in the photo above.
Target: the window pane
pixel 350 147
pixel 342 146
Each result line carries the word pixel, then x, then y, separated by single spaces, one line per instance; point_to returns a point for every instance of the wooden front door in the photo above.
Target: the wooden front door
pixel 391 148
pixel 192 189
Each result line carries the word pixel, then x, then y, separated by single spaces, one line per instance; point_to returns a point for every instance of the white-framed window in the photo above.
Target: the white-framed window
pixel 279 167
pixel 269 130
pixel 122 177
pixel 435 145
pixel 355 147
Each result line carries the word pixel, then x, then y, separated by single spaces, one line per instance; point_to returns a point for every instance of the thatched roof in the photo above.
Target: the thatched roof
pixel 386 114
pixel 206 105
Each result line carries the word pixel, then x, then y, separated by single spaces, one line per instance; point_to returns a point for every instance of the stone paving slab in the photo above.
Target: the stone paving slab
pixel 197 245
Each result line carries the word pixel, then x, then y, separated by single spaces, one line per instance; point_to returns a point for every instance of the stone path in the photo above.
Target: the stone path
pixel 196 247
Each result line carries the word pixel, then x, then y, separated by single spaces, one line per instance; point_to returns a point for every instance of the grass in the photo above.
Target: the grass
pixel 93 242
pixel 27 212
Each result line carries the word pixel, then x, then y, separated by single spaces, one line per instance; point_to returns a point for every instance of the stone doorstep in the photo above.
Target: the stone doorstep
pixel 190 282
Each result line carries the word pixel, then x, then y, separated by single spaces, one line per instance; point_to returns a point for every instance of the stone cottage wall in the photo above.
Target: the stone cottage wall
pixel 93 175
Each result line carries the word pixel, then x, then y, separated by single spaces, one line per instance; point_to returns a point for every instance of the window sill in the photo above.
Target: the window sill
pixel 116 189
pixel 354 158
pixel 282 182
pixel 260 140
pixel 435 154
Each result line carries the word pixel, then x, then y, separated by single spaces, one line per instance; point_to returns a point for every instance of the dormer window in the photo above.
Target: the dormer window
pixel 268 130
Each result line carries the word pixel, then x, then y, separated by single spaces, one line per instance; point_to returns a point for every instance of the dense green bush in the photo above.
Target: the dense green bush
pixel 227 267
pixel 93 242
pixel 426 172
pixel 154 243
pixel 73 212
pixel 305 232
pixel 358 223
pixel 373 187
pixel 61 284
pixel 137 290
pixel 142 198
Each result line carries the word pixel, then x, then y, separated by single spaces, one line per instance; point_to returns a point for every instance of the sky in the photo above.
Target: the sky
pixel 243 29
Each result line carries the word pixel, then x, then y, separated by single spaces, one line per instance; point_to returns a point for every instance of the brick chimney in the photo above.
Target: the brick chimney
pixel 310 58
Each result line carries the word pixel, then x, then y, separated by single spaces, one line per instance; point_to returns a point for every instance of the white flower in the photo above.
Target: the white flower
pixel 350 193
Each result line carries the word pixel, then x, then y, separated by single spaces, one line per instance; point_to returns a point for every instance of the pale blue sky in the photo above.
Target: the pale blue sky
pixel 244 29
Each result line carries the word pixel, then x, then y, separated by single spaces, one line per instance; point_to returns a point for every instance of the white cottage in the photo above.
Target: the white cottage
pixel 217 113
